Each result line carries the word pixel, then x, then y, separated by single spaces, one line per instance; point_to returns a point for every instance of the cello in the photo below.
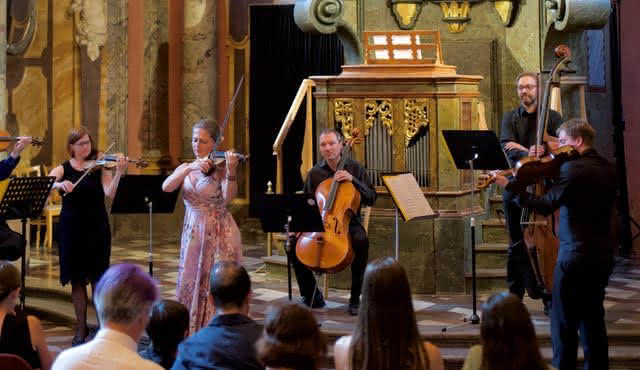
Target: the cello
pixel 331 251
pixel 538 230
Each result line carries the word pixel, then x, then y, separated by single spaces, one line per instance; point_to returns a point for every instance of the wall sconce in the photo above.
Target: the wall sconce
pixel 455 13
pixel 405 12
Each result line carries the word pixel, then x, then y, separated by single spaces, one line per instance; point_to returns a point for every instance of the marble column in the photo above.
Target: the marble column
pixel 117 72
pixel 176 30
pixel 199 67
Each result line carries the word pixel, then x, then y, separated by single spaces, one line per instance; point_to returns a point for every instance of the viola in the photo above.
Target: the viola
pixel 6 140
pixel 331 251
pixel 530 170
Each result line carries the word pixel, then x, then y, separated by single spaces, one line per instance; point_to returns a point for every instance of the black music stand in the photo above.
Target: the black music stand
pixel 475 150
pixel 290 213
pixel 25 198
pixel 143 194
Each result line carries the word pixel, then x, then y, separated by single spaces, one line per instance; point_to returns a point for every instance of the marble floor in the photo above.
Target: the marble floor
pixel 433 312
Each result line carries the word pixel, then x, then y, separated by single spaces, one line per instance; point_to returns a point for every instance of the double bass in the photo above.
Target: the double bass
pixel 538 230
pixel 331 251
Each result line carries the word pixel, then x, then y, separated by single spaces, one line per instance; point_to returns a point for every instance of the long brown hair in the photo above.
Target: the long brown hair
pixel 386 336
pixel 291 339
pixel 76 134
pixel 506 329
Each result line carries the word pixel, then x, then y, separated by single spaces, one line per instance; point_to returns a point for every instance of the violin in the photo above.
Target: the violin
pixel 111 160
pixel 217 157
pixel 6 140
pixel 331 251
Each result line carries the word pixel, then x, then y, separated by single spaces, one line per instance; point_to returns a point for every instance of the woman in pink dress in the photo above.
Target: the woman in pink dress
pixel 209 233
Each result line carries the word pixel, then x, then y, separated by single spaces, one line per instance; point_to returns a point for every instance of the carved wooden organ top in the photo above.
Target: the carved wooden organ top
pixel 401 98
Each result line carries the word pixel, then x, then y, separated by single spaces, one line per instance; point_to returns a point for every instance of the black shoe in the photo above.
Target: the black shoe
pixel 354 308
pixel 318 302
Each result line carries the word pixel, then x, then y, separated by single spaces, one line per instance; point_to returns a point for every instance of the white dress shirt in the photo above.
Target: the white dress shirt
pixel 110 349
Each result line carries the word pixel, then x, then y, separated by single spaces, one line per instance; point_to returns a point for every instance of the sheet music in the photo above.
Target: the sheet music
pixel 408 196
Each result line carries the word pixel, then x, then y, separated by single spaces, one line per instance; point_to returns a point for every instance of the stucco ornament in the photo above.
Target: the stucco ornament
pixel 91 30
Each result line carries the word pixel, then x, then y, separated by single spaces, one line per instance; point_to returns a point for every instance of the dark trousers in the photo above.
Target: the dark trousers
pixel 360 244
pixel 520 274
pixel 578 296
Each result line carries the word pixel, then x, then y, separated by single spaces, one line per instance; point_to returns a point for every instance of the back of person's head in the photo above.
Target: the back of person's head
pixel 291 339
pixel 124 293
pixel 505 329
pixel 9 279
pixel 386 335
pixel 229 284
pixel 167 326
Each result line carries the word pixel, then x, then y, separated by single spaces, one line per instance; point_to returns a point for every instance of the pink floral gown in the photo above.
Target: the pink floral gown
pixel 209 234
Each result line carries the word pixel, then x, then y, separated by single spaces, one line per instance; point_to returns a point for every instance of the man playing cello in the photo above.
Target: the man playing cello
pixel 331 143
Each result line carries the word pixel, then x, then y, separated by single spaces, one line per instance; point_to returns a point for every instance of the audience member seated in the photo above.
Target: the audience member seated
pixel 168 326
pixel 20 335
pixel 291 339
pixel 505 330
pixel 123 299
pixel 228 342
pixel 386 336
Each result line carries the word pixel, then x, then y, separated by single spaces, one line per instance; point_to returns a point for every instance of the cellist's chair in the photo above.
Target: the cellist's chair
pixel 366 215
pixel 52 209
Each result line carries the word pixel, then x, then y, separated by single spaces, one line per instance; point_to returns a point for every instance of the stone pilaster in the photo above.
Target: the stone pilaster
pixel 116 63
pixel 199 67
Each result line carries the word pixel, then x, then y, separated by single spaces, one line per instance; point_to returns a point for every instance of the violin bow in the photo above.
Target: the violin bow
pixel 227 115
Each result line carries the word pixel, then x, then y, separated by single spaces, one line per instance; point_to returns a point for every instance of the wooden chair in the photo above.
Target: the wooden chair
pixel 51 209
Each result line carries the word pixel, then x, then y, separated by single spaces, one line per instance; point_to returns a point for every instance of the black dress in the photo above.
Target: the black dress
pixel 84 237
pixel 16 339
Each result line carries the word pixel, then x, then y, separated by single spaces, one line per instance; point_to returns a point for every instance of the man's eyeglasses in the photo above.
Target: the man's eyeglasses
pixel 526 87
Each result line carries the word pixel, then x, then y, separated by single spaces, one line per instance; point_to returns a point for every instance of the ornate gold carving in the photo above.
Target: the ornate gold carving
pixel 456 14
pixel 343 114
pixel 378 109
pixel 405 12
pixel 504 8
pixel 416 115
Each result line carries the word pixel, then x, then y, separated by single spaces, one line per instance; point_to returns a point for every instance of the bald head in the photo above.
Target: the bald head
pixel 229 284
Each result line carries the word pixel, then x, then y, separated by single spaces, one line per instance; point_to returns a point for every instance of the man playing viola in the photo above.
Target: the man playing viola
pixel 331 143
pixel 518 138
pixel 584 191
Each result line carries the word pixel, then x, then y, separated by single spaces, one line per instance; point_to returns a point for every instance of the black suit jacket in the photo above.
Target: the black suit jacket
pixel 584 191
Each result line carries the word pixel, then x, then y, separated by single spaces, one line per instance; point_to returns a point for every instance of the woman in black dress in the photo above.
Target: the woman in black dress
pixel 84 238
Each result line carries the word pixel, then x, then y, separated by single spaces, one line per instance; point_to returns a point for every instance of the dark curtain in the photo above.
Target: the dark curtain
pixel 281 57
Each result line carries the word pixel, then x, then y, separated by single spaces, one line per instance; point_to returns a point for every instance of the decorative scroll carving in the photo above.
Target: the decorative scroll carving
pixel 92 28
pixel 325 16
pixel 415 116
pixel 455 14
pixel 343 114
pixel 18 47
pixel 378 109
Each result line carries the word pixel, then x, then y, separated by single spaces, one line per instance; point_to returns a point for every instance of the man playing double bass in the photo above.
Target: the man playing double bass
pixel 331 143
pixel 518 138
pixel 584 191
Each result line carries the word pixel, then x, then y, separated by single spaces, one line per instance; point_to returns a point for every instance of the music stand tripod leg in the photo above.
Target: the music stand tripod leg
pixel 474 319
pixel 287 250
